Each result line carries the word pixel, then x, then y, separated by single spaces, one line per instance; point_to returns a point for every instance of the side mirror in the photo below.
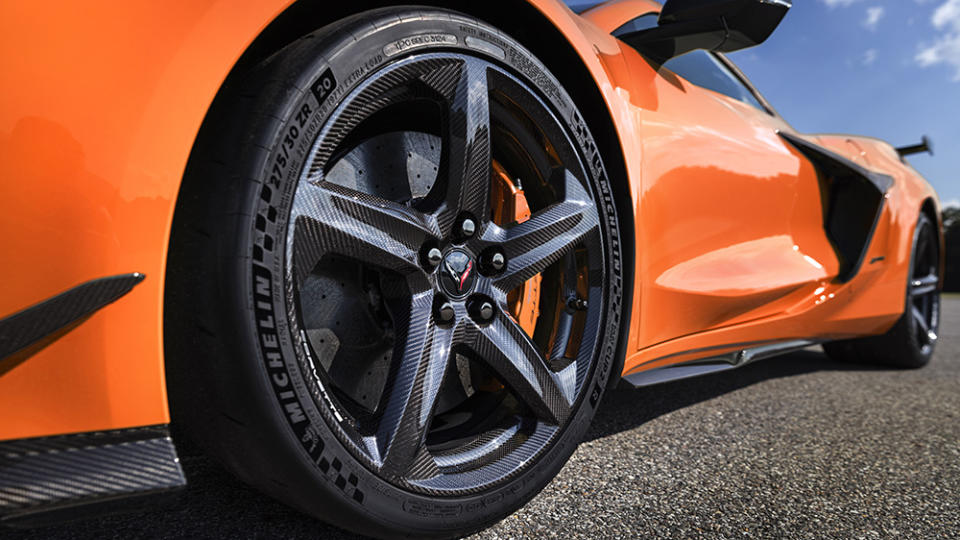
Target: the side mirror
pixel 714 25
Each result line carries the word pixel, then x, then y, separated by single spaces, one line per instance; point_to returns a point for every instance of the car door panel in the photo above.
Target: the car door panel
pixel 726 213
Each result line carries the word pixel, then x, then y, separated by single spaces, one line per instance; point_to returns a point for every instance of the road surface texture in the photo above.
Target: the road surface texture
pixel 793 447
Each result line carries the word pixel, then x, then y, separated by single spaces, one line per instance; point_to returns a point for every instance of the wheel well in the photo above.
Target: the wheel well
pixel 930 209
pixel 533 30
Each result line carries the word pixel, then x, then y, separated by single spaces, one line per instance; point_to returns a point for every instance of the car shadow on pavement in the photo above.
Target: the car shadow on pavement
pixel 217 505
pixel 626 408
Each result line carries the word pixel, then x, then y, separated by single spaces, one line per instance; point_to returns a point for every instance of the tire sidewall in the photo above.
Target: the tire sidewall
pixel 317 73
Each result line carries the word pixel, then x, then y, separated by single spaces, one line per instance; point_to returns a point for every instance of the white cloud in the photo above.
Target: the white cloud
pixel 945 49
pixel 869 57
pixel 947 15
pixel 952 202
pixel 874 14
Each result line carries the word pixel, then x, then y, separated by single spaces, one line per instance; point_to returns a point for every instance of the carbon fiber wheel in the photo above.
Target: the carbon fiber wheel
pixel 923 294
pixel 395 276
pixel 402 279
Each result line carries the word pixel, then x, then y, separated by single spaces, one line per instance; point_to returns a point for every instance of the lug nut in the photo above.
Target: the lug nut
pixel 434 256
pixel 481 309
pixel 467 228
pixel 577 304
pixel 485 311
pixel 445 312
pixel 497 261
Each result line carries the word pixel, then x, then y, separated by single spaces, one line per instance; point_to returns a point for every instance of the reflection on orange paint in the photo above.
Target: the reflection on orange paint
pixel 739 269
pixel 96 124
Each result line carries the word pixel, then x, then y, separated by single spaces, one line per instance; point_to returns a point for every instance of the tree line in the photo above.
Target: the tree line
pixel 951 230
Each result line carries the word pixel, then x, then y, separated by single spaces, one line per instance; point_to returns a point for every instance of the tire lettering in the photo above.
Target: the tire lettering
pixel 294 412
pixel 421 40
pixel 324 86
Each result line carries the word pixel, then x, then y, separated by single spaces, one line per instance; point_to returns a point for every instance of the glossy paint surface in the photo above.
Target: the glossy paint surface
pixel 100 111
pixel 724 239
pixel 100 105
pixel 732 250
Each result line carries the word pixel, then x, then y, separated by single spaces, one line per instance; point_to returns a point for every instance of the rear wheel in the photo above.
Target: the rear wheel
pixel 910 343
pixel 393 279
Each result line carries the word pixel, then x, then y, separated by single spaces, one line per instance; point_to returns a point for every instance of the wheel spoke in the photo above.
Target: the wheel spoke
pixel 423 390
pixel 332 219
pixel 505 347
pixel 466 156
pixel 920 319
pixel 535 244
pixel 412 396
pixel 924 285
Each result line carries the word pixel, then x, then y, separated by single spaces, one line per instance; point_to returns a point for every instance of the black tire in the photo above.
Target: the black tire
pixel 258 245
pixel 911 341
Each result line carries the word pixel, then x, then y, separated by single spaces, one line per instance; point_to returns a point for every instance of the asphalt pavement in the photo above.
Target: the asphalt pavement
pixel 793 447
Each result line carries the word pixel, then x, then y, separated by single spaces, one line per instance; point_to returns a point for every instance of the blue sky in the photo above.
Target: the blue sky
pixel 883 68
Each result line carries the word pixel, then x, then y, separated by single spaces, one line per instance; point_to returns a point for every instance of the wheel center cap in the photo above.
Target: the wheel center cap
pixel 458 273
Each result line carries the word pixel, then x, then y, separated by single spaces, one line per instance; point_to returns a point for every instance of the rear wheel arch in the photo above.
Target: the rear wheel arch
pixel 929 208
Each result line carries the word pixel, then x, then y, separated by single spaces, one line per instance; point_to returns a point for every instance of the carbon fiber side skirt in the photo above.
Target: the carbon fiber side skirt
pixel 65 477
pixel 714 363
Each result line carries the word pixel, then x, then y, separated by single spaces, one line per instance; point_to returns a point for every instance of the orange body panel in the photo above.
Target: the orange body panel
pixel 101 104
pixel 731 249
pixel 98 118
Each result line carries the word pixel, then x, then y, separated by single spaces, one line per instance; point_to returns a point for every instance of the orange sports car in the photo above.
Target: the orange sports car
pixel 383 261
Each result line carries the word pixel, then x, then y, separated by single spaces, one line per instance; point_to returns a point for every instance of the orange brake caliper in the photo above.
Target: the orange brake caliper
pixel 510 206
